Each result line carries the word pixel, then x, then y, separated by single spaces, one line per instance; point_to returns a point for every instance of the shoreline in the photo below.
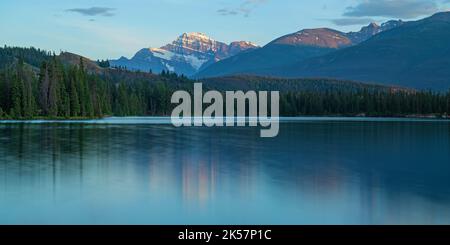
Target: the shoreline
pixel 166 119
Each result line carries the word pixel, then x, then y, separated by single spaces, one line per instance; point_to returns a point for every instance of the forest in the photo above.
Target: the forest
pixel 37 84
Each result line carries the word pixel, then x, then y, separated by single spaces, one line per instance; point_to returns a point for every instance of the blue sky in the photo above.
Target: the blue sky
pixel 103 29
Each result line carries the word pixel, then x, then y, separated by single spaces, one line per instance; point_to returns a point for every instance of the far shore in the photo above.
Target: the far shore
pixel 361 116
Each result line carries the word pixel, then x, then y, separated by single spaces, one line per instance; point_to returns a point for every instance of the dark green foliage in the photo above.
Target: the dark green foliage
pixel 58 91
pixel 17 98
pixel 369 103
pixel 17 91
pixel 74 108
pixel 31 56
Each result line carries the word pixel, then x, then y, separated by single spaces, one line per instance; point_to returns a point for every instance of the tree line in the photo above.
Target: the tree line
pixel 365 102
pixel 60 91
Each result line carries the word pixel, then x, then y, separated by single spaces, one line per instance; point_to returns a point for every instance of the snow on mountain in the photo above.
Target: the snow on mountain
pixel 188 54
pixel 371 30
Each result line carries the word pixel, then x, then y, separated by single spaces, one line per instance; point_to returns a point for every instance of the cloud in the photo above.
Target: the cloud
pixel 94 11
pixel 245 8
pixel 407 9
pixel 351 21
pixel 226 12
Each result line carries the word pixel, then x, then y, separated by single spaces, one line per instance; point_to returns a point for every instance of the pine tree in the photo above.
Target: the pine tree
pixel 28 101
pixel 63 97
pixel 74 101
pixel 44 85
pixel 122 101
pixel 17 99
pixel 25 83
pixel 54 91
pixel 89 103
pixel 85 97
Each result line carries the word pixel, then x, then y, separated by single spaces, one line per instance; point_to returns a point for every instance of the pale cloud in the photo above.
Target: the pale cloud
pixel 94 11
pixel 245 8
pixel 226 12
pixel 407 9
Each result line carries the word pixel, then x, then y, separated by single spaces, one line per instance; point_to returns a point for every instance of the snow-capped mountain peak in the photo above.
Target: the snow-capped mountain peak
pixel 187 54
pixel 194 42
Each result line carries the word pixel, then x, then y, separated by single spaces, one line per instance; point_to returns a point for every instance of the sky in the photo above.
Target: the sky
pixel 107 29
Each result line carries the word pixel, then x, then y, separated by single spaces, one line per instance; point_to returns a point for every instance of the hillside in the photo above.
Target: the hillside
pixel 72 59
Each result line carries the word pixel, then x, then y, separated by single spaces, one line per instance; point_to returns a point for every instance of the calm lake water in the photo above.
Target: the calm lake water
pixel 145 171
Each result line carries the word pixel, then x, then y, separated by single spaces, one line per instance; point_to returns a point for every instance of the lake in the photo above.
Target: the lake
pixel 145 171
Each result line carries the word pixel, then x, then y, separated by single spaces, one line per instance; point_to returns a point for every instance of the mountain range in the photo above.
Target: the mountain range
pixel 293 48
pixel 193 52
pixel 412 54
pixel 416 54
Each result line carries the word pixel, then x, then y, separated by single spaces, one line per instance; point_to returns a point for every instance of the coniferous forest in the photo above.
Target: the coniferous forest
pixel 38 84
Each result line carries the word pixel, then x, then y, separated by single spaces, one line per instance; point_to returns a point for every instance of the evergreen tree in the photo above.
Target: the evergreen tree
pixel 122 101
pixel 86 107
pixel 74 101
pixel 24 87
pixel 54 91
pixel 44 85
pixel 17 98
pixel 28 100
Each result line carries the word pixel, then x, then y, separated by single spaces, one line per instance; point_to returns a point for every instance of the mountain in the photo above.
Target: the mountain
pixel 291 49
pixel 188 54
pixel 280 52
pixel 415 54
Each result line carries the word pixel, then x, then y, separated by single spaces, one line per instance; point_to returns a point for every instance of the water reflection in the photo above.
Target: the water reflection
pixel 329 172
